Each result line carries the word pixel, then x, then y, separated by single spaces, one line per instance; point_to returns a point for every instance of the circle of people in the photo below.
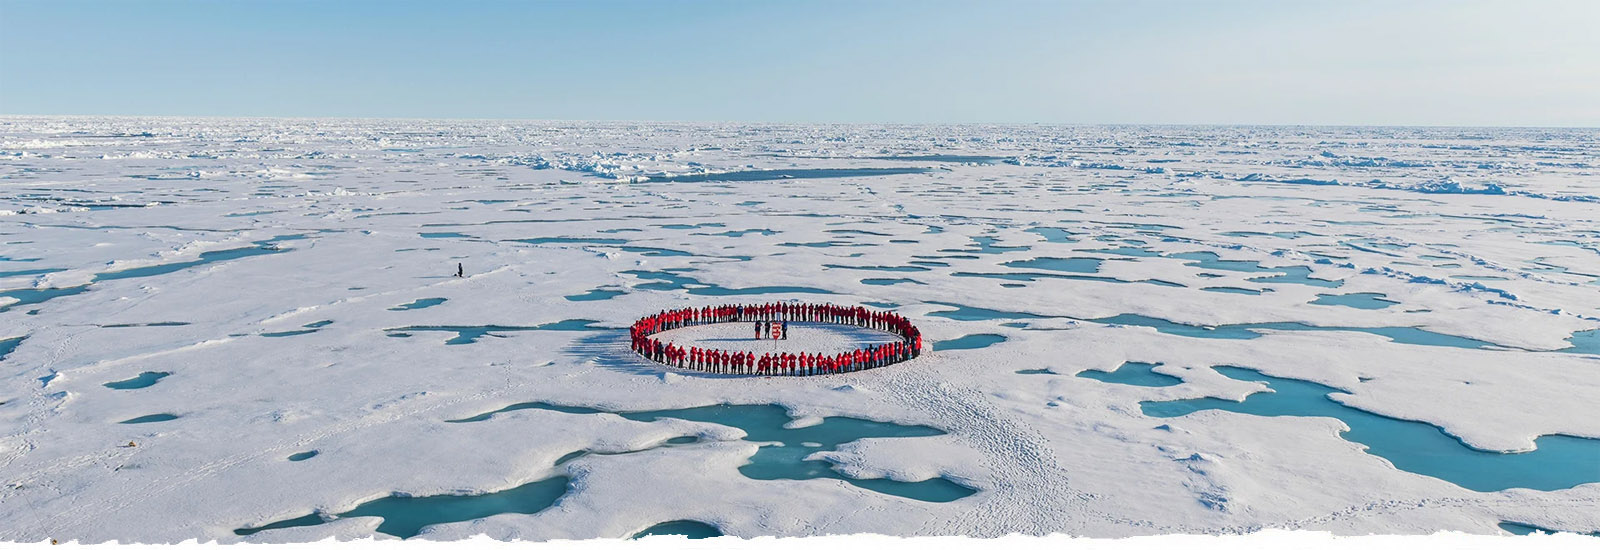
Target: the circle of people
pixel 772 320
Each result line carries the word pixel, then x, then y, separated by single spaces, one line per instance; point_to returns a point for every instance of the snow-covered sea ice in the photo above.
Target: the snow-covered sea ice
pixel 1130 330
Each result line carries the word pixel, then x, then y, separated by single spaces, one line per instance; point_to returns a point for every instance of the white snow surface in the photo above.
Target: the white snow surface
pixel 1419 215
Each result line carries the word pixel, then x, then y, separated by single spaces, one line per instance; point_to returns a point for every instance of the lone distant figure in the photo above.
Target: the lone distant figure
pixel 784 330
pixel 758 330
pixel 460 271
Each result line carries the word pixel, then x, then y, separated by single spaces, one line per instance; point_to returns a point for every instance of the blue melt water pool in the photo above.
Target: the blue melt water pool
pixel 1559 462
pixel 686 528
pixel 143 380
pixel 782 456
pixel 787 459
pixel 1134 373
pixel 1358 300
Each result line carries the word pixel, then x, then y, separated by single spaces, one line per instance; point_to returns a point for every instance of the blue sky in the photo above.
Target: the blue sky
pixel 1532 62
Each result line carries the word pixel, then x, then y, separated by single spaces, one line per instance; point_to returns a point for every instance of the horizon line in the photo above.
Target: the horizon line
pixel 814 123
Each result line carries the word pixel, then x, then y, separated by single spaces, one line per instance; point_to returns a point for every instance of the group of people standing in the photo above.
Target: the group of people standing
pixel 773 319
pixel 776 330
